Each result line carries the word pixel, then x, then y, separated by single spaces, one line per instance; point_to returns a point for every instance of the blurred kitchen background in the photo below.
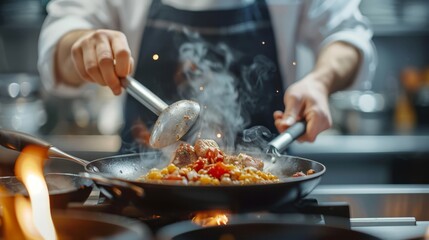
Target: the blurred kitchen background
pixel 380 134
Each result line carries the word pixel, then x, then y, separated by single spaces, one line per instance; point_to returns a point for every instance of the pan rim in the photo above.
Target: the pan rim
pixel 179 185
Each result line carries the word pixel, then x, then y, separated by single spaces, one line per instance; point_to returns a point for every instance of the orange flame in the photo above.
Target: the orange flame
pixel 11 229
pixel 29 170
pixel 25 218
pixel 211 218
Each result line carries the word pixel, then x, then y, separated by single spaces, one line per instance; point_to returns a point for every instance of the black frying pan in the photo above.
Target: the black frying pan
pixel 63 188
pixel 83 225
pixel 127 168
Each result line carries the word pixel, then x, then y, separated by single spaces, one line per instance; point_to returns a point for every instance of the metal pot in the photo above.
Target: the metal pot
pixel 21 107
pixel 361 112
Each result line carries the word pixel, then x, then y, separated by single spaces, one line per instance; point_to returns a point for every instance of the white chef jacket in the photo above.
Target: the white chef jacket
pixel 310 23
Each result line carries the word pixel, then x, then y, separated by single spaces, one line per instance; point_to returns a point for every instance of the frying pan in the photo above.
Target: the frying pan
pixel 116 177
pixel 63 188
pixel 83 225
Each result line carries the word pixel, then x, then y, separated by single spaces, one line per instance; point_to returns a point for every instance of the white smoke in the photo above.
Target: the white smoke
pixel 209 82
pixel 204 75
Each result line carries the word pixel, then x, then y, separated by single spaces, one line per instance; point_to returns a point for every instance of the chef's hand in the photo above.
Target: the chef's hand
pixel 306 100
pixel 100 56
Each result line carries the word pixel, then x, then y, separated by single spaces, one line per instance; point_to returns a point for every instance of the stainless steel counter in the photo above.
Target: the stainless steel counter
pixel 379 200
pixel 363 144
pixel 386 211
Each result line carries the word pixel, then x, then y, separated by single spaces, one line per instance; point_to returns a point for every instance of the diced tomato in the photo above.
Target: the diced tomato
pixel 173 178
pixel 214 155
pixel 198 165
pixel 217 170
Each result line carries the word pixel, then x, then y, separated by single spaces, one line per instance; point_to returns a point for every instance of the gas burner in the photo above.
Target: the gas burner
pixel 258 226
pixel 335 214
pixel 309 211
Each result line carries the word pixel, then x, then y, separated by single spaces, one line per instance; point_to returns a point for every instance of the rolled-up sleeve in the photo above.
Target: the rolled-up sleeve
pixel 65 16
pixel 328 21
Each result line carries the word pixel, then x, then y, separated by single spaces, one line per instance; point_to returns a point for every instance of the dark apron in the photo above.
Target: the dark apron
pixel 225 60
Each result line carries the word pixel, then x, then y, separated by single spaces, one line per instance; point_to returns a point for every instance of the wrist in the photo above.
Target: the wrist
pixel 324 78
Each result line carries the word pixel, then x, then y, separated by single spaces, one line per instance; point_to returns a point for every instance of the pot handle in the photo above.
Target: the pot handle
pixel 18 141
pixel 280 143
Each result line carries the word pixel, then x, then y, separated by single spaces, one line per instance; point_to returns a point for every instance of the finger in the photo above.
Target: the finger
pixel 293 109
pixel 278 115
pixel 77 58
pixel 292 112
pixel 91 64
pixel 278 121
pixel 106 66
pixel 122 55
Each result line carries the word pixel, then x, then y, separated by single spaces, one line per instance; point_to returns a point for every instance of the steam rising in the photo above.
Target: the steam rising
pixel 211 84
pixel 205 76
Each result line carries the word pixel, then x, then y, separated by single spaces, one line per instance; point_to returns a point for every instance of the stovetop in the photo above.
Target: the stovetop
pixel 384 211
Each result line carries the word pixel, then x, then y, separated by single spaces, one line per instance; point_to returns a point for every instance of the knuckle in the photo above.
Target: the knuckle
pixel 86 42
pixel 75 50
pixel 293 95
pixel 99 34
pixel 120 35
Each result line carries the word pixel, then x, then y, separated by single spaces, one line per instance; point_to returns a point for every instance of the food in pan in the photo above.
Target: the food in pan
pixel 206 164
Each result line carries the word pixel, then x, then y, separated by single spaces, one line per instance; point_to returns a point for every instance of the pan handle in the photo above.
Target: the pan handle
pixel 282 142
pixel 18 141
pixel 111 182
